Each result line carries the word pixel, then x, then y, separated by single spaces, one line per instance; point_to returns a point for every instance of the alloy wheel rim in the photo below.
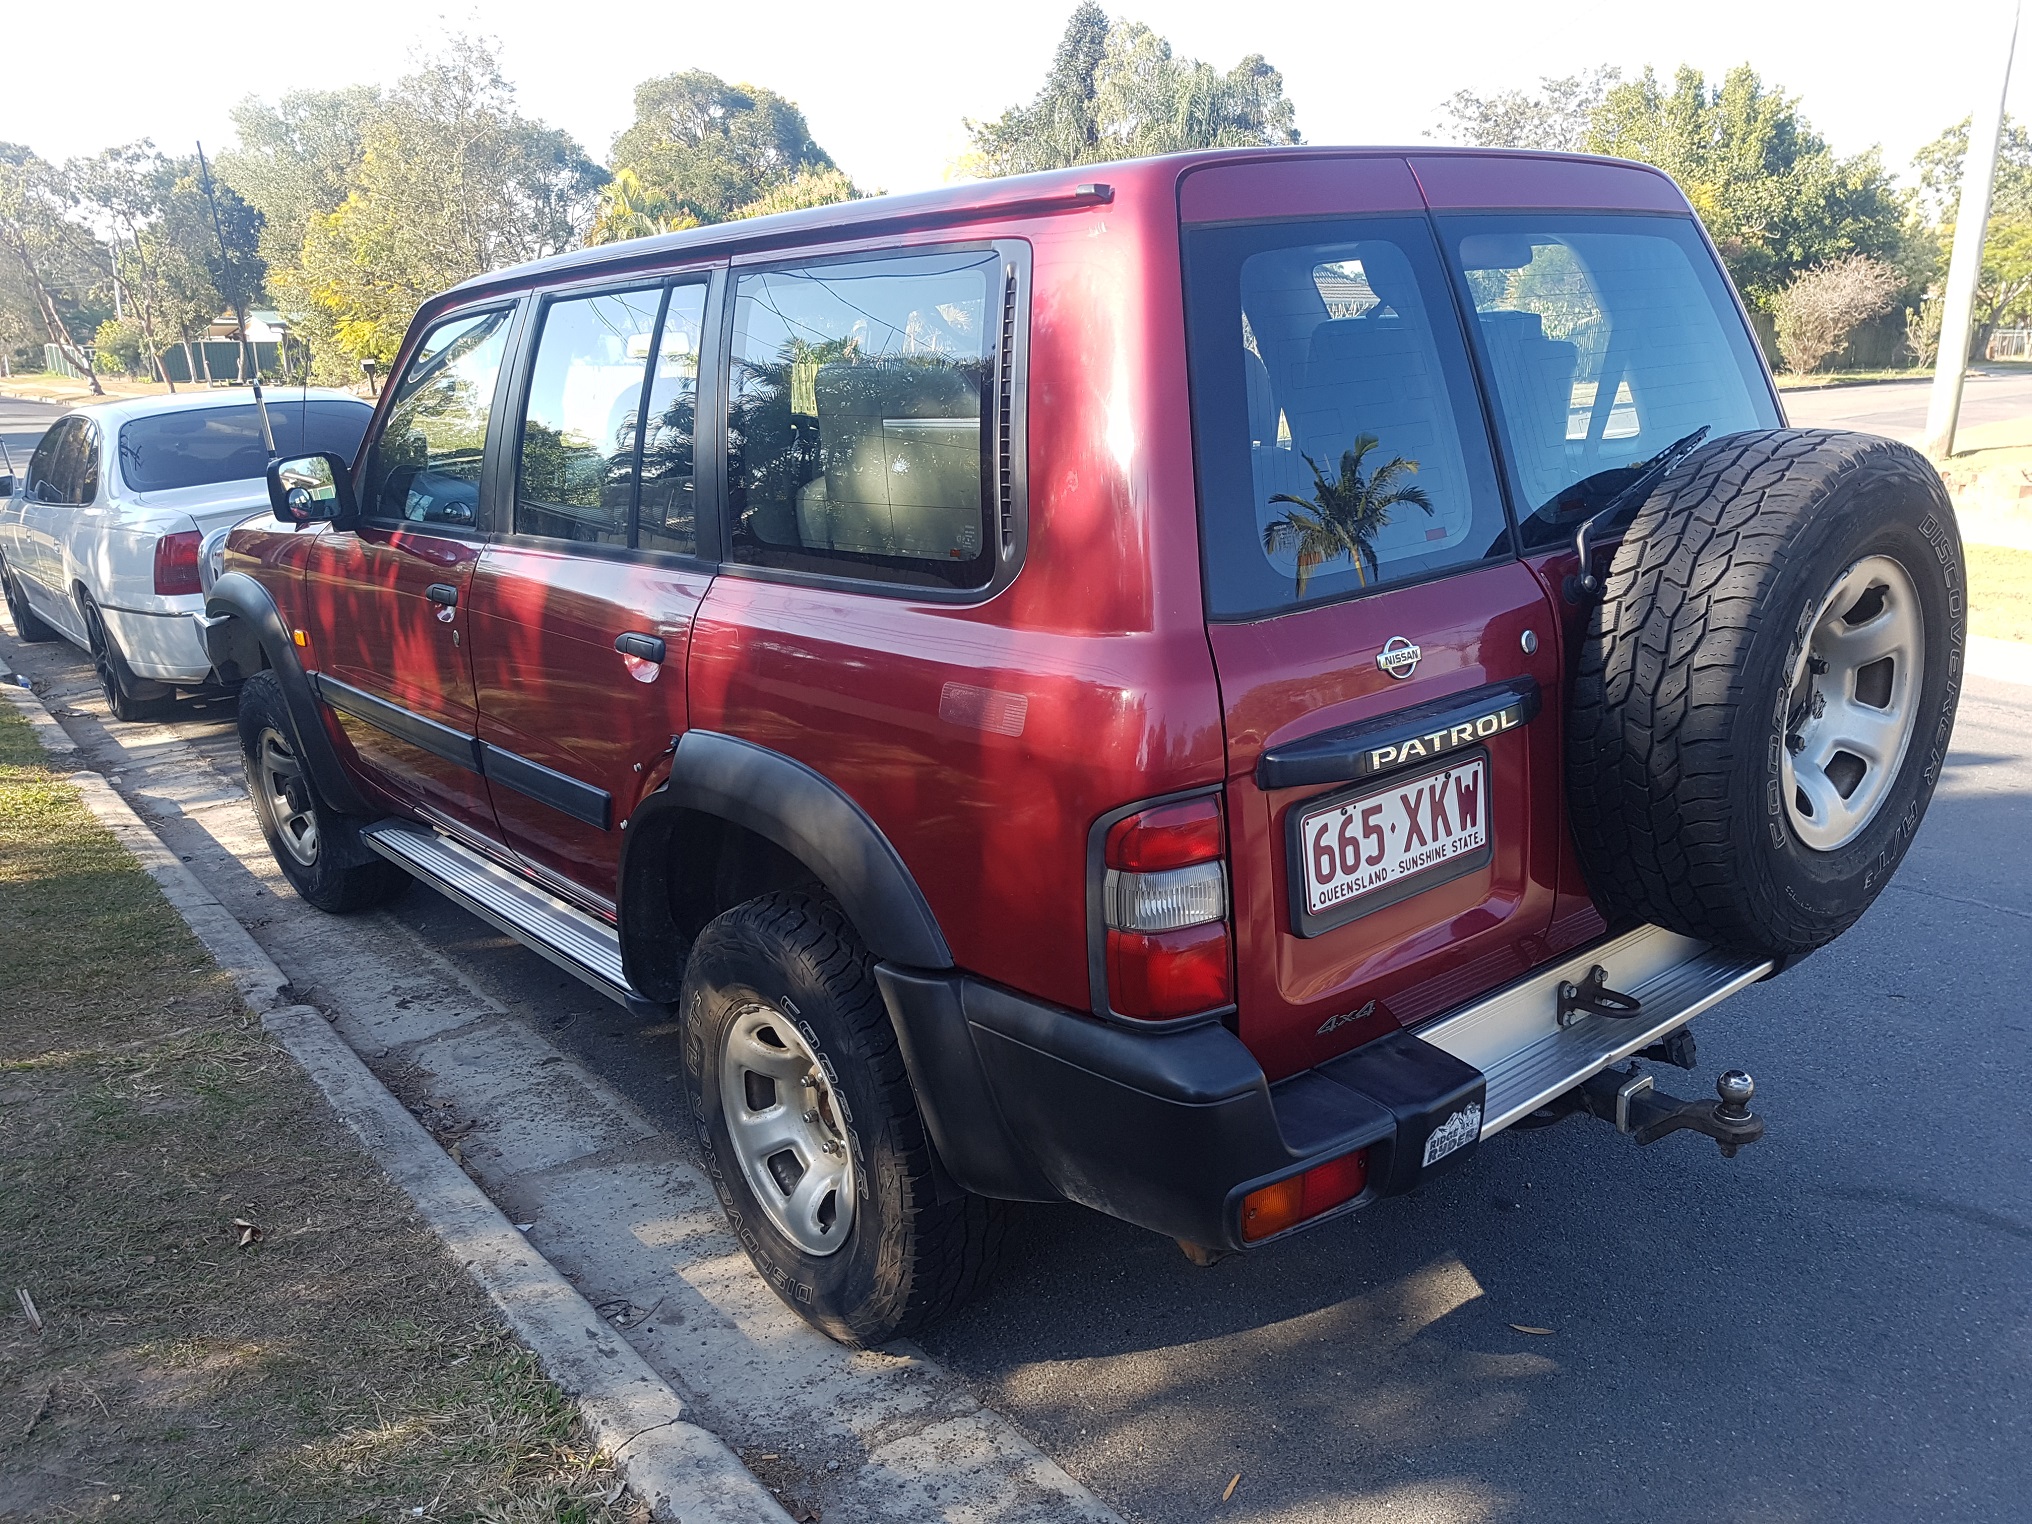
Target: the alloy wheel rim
pixel 287 793
pixel 787 1130
pixel 1853 704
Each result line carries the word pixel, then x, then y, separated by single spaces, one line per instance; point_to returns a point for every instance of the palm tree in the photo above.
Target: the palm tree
pixel 1344 517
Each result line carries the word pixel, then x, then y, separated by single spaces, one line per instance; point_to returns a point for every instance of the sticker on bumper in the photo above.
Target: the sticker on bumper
pixel 1454 1134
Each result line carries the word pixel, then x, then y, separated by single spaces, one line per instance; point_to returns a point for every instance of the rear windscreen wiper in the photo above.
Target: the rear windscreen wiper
pixel 1584 584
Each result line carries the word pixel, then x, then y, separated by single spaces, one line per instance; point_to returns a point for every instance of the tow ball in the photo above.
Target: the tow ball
pixel 1646 1113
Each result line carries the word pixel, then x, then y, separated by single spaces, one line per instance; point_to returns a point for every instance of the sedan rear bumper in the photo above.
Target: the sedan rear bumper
pixel 166 646
pixel 1172 1130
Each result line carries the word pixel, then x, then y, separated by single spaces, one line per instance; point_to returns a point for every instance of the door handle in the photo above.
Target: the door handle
pixel 442 594
pixel 640 646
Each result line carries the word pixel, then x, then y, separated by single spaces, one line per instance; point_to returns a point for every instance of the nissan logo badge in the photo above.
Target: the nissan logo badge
pixel 1399 657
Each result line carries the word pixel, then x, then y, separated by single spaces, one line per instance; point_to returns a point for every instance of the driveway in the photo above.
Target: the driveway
pixel 1831 1327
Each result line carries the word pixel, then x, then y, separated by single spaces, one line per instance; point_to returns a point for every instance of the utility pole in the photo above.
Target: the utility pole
pixel 248 353
pixel 1965 268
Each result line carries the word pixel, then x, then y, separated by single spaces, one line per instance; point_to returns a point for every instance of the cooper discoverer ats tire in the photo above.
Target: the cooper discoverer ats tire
pixel 810 1132
pixel 1764 696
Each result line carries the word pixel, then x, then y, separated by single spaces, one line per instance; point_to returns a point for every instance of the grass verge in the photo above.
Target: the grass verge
pixel 241 1318
pixel 2000 591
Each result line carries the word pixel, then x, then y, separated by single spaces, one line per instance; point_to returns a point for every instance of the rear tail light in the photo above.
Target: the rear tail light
pixel 176 563
pixel 1165 904
pixel 1300 1198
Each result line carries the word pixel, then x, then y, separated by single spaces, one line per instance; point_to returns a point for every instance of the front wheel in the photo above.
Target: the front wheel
pixel 810 1131
pixel 318 849
pixel 28 624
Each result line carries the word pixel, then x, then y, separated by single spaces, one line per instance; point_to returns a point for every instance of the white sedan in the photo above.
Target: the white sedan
pixel 101 534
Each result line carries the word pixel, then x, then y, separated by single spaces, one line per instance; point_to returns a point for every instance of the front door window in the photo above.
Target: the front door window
pixel 425 467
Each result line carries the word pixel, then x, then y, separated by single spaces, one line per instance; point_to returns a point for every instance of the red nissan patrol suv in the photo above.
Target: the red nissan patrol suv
pixel 1206 687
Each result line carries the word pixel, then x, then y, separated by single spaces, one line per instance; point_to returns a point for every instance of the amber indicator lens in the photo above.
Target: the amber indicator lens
pixel 1299 1198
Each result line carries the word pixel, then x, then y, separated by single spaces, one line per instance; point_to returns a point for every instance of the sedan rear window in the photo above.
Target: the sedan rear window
pixel 205 446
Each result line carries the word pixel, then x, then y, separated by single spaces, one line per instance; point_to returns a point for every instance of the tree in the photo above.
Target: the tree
pixel 58 261
pixel 124 186
pixel 1822 307
pixel 703 149
pixel 1775 198
pixel 451 182
pixel 1345 515
pixel 1557 117
pixel 2004 290
pixel 1115 90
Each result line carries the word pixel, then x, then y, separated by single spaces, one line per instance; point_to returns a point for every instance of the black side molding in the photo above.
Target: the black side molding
pixel 403 724
pixel 581 801
pixel 1408 736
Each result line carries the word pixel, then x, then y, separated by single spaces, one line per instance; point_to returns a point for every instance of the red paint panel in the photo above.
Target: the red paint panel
pixel 1342 185
pixel 1314 670
pixel 552 689
pixel 1489 181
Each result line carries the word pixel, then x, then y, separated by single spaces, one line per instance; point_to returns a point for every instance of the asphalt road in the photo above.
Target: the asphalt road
pixel 1898 408
pixel 1831 1327
pixel 22 425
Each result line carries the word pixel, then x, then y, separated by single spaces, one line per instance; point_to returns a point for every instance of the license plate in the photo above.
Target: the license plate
pixel 1357 852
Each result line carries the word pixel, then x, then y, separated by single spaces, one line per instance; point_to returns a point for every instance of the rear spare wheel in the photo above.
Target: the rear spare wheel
pixel 1765 693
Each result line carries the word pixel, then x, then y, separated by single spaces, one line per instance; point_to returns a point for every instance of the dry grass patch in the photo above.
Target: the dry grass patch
pixel 241 1318
pixel 2000 591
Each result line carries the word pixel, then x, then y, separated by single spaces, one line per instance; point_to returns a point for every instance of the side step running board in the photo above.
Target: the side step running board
pixel 1534 1042
pixel 576 942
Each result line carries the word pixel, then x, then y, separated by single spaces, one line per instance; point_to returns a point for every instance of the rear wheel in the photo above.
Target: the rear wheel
pixel 1764 699
pixel 318 849
pixel 131 698
pixel 28 624
pixel 810 1131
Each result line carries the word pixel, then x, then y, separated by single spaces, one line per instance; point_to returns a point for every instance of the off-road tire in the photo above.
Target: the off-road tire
pixel 1678 722
pixel 913 1253
pixel 344 875
pixel 131 698
pixel 28 625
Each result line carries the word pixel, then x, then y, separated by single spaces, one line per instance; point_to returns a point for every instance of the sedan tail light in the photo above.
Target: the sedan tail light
pixel 176 563
pixel 1165 904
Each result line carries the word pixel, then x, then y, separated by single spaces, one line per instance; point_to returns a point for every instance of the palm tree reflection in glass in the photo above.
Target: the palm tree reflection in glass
pixel 1345 515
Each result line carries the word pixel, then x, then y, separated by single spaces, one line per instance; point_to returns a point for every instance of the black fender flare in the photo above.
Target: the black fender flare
pixel 245 632
pixel 804 814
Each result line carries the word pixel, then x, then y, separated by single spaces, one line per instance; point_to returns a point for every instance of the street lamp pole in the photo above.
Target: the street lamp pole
pixel 1965 268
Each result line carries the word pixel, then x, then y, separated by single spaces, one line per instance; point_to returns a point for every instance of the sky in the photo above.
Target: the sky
pixel 885 85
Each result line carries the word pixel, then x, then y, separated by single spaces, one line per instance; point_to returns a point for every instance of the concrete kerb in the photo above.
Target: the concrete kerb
pixel 684 1473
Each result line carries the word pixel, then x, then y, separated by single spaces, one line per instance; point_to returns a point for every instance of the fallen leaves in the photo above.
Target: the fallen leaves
pixel 28 1308
pixel 250 1233
pixel 1233 1482
pixel 1526 1328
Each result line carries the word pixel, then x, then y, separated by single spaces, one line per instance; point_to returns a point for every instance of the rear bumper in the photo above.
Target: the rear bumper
pixel 165 645
pixel 1171 1130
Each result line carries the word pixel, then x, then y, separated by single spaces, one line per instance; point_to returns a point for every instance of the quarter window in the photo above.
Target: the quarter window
pixel 859 418
pixel 425 467
pixel 1341 446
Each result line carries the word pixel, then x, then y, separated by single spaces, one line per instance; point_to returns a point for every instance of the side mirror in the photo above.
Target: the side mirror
pixel 6 486
pixel 312 489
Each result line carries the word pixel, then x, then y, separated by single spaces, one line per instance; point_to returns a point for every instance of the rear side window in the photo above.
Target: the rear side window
pixel 1340 441
pixel 1605 339
pixel 589 469
pixel 205 446
pixel 425 467
pixel 860 418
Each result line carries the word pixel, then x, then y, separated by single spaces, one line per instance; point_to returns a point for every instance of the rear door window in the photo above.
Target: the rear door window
pixel 1341 446
pixel 425 466
pixel 1605 339
pixel 589 470
pixel 860 418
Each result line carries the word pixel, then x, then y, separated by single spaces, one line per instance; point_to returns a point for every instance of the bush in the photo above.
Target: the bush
pixel 1819 310
pixel 120 350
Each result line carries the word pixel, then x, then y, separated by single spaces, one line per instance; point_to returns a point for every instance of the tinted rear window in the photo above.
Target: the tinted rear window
pixel 223 444
pixel 1341 445
pixel 1604 339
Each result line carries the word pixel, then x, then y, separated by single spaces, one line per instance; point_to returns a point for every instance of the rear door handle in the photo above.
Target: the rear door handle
pixel 443 594
pixel 640 646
